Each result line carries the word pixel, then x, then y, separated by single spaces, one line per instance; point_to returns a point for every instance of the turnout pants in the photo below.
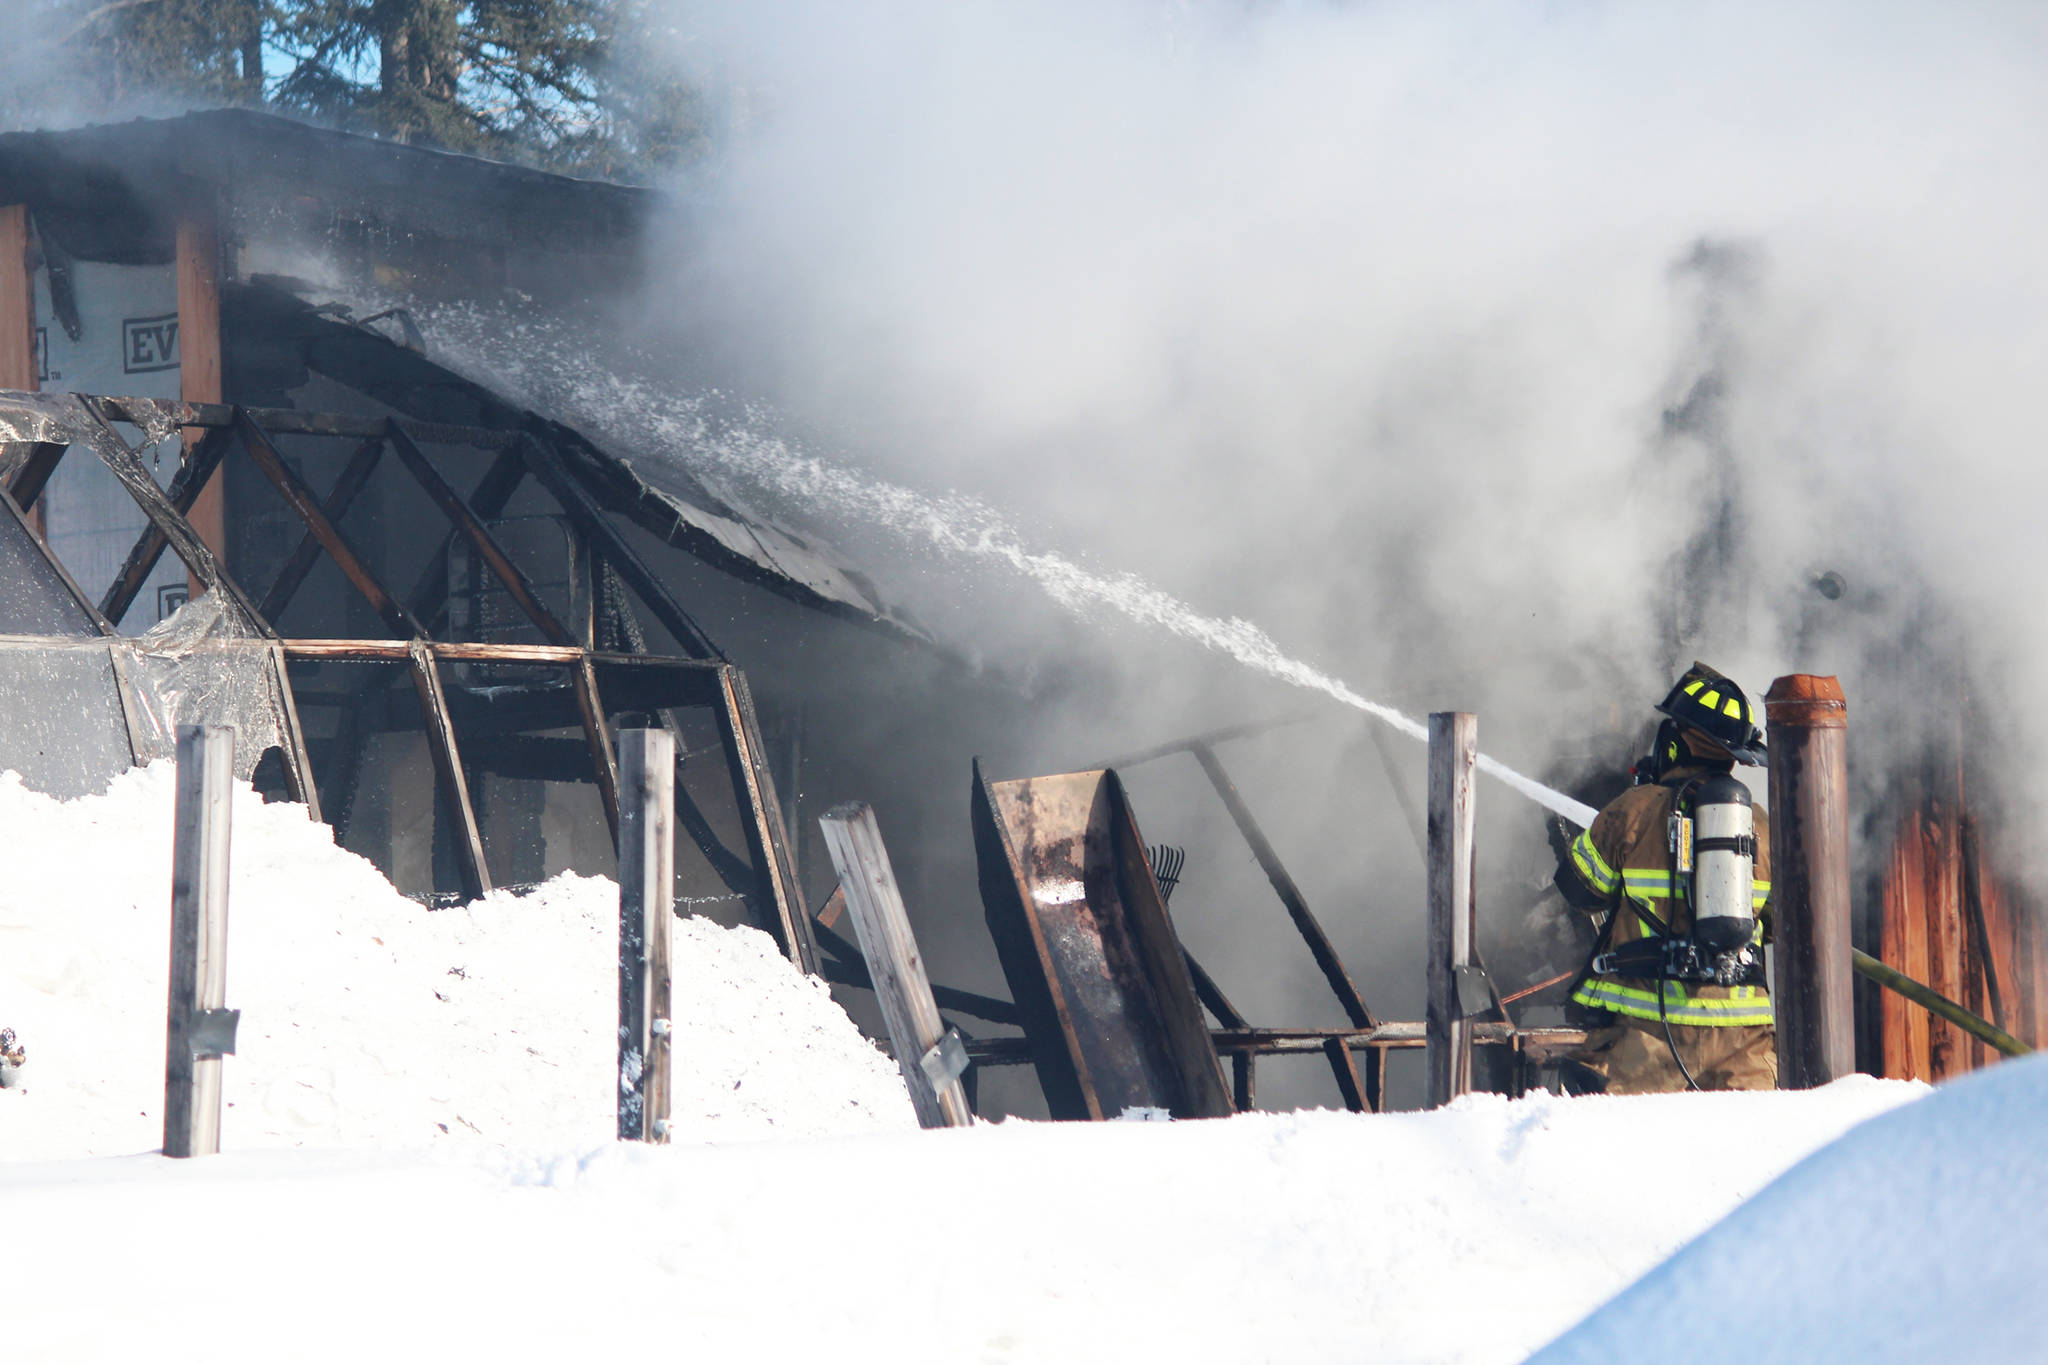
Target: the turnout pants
pixel 1631 1058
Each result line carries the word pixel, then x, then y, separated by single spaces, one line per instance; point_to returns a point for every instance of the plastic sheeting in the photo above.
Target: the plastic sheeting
pixel 33 598
pixel 62 726
pixel 76 715
pixel 194 668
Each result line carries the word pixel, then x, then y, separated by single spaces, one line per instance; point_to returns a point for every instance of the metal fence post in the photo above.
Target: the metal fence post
pixel 200 1030
pixel 647 796
pixel 1813 976
pixel 1453 757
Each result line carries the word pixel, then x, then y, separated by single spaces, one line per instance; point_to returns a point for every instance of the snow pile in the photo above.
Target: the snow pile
pixel 1471 1234
pixel 1915 1238
pixel 369 1021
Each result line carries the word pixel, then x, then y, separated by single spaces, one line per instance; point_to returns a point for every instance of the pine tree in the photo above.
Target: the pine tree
pixel 78 57
pixel 534 80
pixel 569 85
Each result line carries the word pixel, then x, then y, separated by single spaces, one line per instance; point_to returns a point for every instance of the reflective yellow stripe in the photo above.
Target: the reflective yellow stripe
pixel 1732 708
pixel 1759 892
pixel 1745 1006
pixel 1646 884
pixel 1591 865
pixel 1692 689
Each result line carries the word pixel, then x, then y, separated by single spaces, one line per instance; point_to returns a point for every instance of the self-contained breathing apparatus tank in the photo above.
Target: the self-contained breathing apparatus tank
pixel 1713 865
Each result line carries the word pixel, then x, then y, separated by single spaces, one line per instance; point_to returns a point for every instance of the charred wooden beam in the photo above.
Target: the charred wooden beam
pixel 298 764
pixel 13 510
pixel 779 900
pixel 603 764
pixel 1305 922
pixel 354 477
pixel 1212 994
pixel 471 528
pixel 441 743
pixel 184 542
pixel 844 966
pixel 193 471
pixel 303 501
pixel 27 484
pixel 590 519
pixel 1539 1044
pixel 292 422
pixel 1209 739
pixel 429 596
pixel 1345 1067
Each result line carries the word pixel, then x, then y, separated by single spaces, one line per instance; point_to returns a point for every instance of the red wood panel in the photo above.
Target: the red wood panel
pixel 1904 945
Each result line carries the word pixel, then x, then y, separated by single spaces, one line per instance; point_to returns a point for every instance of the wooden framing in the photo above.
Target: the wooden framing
pixel 17 301
pixel 307 504
pixel 583 510
pixel 198 466
pixel 198 252
pixel 781 908
pixel 641 681
pixel 1305 922
pixel 354 478
pixel 18 359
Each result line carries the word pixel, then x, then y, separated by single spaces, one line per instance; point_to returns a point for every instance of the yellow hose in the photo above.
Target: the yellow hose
pixel 1938 1004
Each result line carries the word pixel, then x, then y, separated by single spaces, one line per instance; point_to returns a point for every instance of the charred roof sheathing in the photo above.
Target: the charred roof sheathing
pixel 110 193
pixel 103 190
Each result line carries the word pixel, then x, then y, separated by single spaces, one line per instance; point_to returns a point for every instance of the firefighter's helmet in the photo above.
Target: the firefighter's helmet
pixel 1712 704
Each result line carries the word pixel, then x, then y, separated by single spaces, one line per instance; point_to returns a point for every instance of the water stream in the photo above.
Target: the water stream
pixel 749 455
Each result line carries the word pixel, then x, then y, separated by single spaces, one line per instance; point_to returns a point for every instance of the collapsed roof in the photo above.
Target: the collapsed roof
pixel 436 223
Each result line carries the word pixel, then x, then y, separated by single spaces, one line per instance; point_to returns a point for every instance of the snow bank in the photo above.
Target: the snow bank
pixel 1471 1234
pixel 369 1021
pixel 1915 1238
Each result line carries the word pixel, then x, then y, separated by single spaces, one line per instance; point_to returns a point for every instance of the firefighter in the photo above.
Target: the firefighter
pixel 1676 875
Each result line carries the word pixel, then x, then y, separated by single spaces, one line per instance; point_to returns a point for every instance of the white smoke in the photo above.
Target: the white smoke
pixel 1494 355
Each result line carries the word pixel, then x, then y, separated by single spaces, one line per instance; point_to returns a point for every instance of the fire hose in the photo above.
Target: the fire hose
pixel 1935 1003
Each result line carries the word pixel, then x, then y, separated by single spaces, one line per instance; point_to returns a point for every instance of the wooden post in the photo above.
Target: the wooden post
pixel 1453 757
pixel 647 857
pixel 902 988
pixel 194 1041
pixel 1809 721
pixel 17 302
pixel 199 359
pixel 18 320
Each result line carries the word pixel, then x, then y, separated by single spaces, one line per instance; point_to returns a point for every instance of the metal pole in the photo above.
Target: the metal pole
pixel 199 1030
pixel 1453 758
pixel 647 855
pixel 1809 720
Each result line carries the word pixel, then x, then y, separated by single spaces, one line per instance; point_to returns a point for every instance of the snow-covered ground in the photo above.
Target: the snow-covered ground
pixel 368 1021
pixel 1915 1238
pixel 417 1162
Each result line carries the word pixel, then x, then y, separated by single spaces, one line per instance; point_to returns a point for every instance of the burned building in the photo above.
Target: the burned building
pixel 242 488
pixel 429 605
